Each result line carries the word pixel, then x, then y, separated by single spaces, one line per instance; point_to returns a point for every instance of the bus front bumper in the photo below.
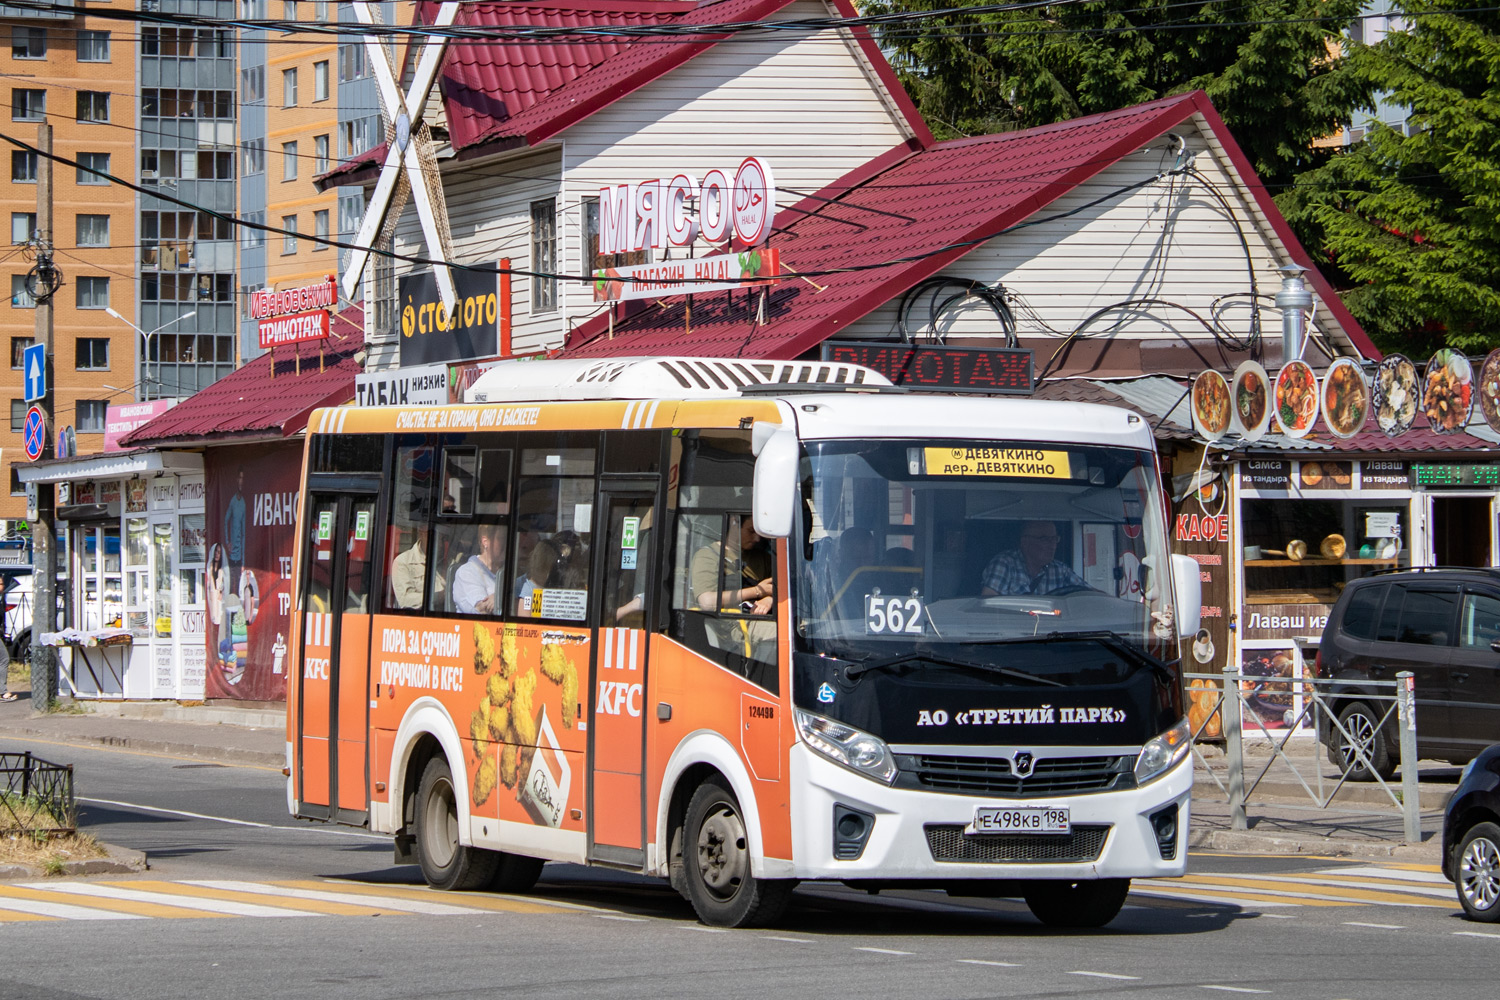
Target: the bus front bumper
pixel 912 828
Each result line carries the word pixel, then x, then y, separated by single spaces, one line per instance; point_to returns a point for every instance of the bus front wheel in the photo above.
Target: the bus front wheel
pixel 716 849
pixel 446 863
pixel 1091 903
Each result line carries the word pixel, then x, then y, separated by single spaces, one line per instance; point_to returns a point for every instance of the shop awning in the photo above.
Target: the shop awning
pixel 141 462
pixel 868 237
pixel 252 404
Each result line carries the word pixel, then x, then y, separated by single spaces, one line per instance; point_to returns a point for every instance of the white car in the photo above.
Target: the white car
pixel 19 594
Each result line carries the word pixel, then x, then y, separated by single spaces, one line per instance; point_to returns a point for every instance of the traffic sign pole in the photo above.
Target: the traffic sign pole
pixel 43 531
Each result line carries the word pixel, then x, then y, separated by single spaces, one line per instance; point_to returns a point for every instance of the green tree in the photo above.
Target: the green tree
pixel 1266 64
pixel 1413 216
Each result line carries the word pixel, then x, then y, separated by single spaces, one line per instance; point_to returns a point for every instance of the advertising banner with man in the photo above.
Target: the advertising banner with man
pixel 252 507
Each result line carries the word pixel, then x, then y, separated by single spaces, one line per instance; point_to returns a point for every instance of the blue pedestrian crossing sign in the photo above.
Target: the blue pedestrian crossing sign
pixel 34 433
pixel 35 364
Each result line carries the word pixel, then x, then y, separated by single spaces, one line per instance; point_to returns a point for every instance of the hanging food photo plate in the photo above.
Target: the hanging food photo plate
pixel 1448 393
pixel 1211 416
pixel 1346 398
pixel 1489 390
pixel 1296 398
pixel 1395 394
pixel 1252 400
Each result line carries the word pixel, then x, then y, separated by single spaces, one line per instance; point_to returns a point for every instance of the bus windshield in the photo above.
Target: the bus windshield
pixel 953 546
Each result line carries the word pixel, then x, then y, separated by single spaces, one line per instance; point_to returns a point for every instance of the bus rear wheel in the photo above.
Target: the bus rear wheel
pixel 446 863
pixel 716 856
pixel 1092 903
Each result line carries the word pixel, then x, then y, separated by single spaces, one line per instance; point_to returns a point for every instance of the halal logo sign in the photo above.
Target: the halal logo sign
pixel 675 212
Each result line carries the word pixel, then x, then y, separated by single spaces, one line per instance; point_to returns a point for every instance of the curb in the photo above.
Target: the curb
pixel 118 861
pixel 228 755
pixel 1246 842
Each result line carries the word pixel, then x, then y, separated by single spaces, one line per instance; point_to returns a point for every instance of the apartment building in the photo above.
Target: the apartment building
pixel 78 75
pixel 308 101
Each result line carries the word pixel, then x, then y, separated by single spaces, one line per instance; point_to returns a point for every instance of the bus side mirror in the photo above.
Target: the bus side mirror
pixel 1187 595
pixel 775 480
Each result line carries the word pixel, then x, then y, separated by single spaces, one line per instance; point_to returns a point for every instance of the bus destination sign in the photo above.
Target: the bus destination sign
pixel 1002 371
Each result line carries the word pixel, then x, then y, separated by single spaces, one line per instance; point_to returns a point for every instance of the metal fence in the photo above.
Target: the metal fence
pixel 1319 699
pixel 37 796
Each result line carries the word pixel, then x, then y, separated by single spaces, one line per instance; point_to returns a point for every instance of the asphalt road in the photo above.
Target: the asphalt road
pixel 1263 926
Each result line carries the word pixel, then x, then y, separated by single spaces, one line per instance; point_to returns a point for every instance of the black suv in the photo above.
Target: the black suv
pixel 1441 624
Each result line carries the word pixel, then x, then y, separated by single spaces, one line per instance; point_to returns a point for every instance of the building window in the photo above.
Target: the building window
pixel 88 162
pixel 320 80
pixel 93 46
pixel 93 293
pixel 93 230
pixel 357 136
pixel 289 11
pixel 92 354
pixel 253 84
pixel 254 237
pixel 90 414
pixel 320 154
pixel 253 10
pixel 289 236
pixel 18 408
pixel 20 298
pixel 288 161
pixel 320 227
pixel 254 156
pixel 353 63
pixel 28 43
pixel 93 106
pixel 544 254
pixel 289 88
pixel 320 11
pixel 18 347
pixel 28 105
pixel 22 167
pixel 22 225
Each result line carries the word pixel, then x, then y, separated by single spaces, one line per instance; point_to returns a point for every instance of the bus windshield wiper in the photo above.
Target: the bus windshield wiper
pixel 893 662
pixel 1119 644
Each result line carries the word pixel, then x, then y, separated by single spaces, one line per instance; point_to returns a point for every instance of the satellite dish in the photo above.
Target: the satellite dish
pixel 410 163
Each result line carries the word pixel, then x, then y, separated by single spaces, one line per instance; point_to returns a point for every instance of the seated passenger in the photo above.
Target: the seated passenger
pixel 474 582
pixel 541 562
pixel 1030 568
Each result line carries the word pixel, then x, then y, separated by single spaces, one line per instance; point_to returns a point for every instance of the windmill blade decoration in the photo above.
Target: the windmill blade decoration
pixel 410 162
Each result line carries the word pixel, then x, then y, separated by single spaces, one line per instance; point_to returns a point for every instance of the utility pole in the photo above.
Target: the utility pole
pixel 43 531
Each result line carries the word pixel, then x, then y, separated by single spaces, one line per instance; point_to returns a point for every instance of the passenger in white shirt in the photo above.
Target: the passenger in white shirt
pixel 474 583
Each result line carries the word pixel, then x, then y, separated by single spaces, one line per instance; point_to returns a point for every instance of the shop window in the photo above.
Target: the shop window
pixel 722 572
pixel 554 515
pixel 1421 616
pixel 1331 543
pixel 1480 625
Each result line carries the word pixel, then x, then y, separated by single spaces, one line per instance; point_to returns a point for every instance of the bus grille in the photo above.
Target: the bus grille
pixel 950 843
pixel 993 776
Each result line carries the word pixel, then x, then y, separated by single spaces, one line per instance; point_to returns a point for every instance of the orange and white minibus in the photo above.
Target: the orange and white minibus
pixel 741 624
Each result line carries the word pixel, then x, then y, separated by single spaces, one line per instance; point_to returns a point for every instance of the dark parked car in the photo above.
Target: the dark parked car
pixel 1441 624
pixel 1471 837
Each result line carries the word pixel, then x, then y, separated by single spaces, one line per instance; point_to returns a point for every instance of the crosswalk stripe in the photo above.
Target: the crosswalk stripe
pixel 45 905
pixel 1225 895
pixel 315 890
pixel 1286 887
pixel 1383 885
pixel 463 902
pixel 219 907
pixel 1408 874
pixel 17 917
pixel 227 890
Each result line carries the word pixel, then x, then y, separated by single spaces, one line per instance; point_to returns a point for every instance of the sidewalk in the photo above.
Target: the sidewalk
pixel 1283 819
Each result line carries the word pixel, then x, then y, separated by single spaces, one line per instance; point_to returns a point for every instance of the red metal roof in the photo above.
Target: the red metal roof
pixel 250 403
pixel 923 209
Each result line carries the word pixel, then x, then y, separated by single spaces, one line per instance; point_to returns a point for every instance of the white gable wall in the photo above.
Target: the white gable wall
pixel 809 105
pixel 1170 240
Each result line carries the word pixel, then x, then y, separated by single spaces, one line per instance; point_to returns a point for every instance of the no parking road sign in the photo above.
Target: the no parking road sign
pixel 34 433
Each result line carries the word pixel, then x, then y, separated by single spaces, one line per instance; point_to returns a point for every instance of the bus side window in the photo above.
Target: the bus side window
pixel 722 572
pixel 408 539
pixel 554 517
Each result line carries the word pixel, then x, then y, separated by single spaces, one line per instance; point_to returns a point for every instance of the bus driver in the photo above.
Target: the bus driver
pixel 1030 568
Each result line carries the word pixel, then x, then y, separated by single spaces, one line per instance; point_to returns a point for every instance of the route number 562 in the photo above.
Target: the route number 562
pixel 893 615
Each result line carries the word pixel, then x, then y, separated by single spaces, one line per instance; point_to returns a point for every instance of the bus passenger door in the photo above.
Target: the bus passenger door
pixel 333 728
pixel 617 727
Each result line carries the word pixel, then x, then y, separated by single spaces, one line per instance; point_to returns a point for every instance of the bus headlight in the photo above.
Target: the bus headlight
pixel 847 746
pixel 1162 754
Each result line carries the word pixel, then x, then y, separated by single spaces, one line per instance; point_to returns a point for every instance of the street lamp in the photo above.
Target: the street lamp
pixel 146 354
